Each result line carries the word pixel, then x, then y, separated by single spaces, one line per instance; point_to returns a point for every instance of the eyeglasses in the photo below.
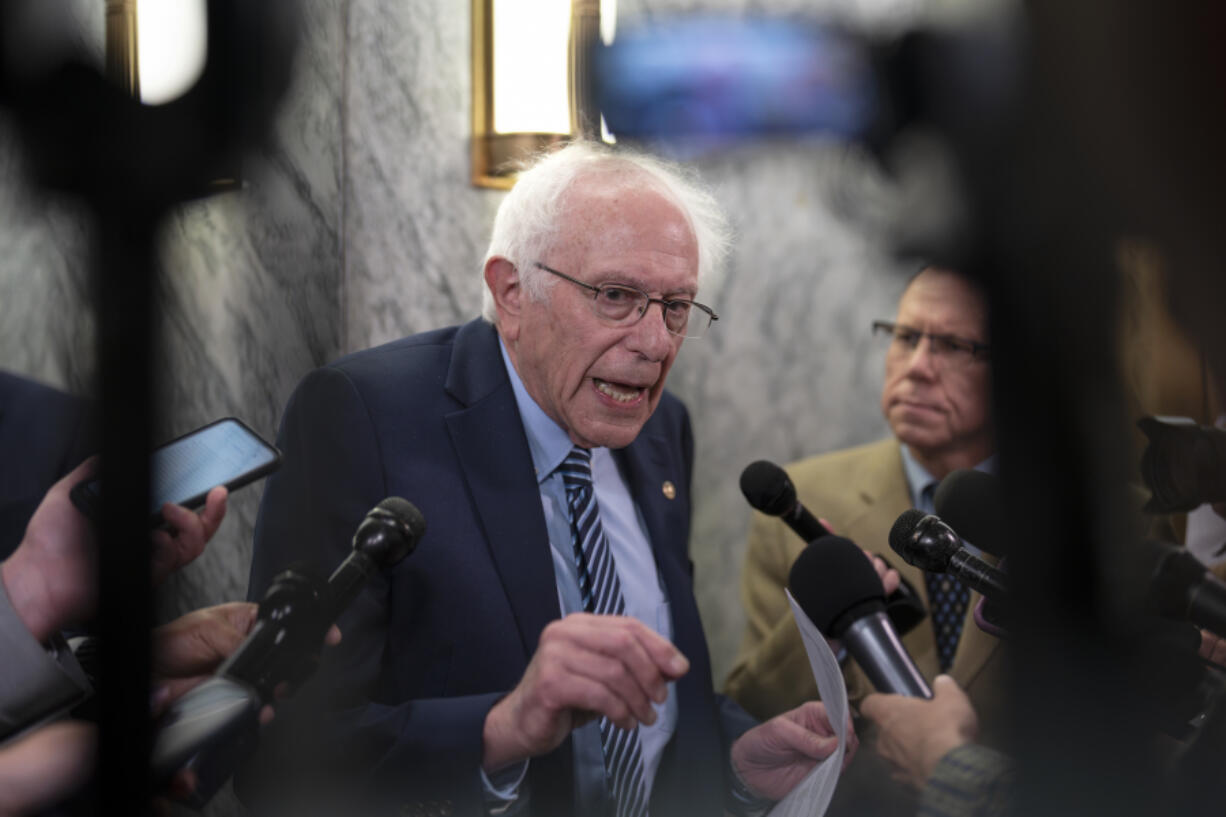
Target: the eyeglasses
pixel 948 350
pixel 622 305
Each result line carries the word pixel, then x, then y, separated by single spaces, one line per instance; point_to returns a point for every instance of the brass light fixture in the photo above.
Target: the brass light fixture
pixel 155 49
pixel 531 79
pixel 121 58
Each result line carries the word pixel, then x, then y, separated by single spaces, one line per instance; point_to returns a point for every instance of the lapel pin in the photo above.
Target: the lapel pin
pixel 670 490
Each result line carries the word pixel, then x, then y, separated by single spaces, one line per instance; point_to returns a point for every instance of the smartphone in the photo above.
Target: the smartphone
pixel 226 452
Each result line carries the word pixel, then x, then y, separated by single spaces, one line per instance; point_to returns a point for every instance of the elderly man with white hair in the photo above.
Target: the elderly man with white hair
pixel 541 651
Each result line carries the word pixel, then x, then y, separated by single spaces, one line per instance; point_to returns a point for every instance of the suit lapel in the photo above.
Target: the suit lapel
pixel 646 467
pixel 883 495
pixel 493 453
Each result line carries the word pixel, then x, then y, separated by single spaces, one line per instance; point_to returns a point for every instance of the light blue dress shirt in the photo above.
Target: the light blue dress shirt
pixel 636 568
pixel 923 485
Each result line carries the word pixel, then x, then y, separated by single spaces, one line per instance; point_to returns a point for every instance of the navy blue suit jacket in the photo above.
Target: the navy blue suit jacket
pixel 429 647
pixel 44 434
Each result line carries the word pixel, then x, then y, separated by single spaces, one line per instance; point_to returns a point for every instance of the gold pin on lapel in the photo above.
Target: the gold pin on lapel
pixel 670 490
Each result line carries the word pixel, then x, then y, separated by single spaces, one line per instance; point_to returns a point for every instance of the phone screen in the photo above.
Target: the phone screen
pixel 183 470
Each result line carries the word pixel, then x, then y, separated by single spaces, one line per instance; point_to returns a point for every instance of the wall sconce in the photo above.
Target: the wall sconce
pixel 155 49
pixel 532 79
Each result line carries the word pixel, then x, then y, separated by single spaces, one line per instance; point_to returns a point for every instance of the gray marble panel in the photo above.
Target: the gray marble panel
pixel 415 228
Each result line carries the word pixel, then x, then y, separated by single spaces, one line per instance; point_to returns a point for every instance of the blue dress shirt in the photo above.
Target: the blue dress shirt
pixel 640 582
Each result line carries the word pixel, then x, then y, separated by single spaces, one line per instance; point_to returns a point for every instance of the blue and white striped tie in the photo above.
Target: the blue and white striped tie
pixel 602 594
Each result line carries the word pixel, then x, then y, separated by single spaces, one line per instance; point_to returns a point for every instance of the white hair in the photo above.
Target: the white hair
pixel 529 218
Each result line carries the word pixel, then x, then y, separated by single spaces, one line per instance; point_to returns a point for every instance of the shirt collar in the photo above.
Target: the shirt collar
pixel 918 477
pixel 548 441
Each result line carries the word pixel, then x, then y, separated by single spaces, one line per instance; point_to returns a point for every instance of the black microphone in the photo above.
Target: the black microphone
pixel 210 728
pixel 929 544
pixel 1182 588
pixel 769 489
pixel 840 592
pixel 970 502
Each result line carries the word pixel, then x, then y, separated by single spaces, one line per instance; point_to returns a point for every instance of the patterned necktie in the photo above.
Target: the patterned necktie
pixel 948 599
pixel 602 594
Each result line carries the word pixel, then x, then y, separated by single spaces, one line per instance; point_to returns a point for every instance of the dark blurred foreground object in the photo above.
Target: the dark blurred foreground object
pixel 1183 465
pixel 213 728
pixel 130 164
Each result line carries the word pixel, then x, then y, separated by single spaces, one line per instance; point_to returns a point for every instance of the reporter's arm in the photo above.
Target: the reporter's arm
pixel 36 679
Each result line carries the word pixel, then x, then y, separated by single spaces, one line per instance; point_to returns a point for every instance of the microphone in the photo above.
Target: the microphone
pixel 1182 588
pixel 928 543
pixel 210 728
pixel 769 489
pixel 970 502
pixel 840 592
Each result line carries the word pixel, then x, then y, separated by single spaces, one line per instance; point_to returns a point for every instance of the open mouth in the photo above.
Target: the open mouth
pixel 621 392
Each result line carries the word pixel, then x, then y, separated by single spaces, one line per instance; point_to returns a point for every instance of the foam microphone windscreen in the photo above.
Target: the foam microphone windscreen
pixel 767 488
pixel 835 584
pixel 904 527
pixel 969 501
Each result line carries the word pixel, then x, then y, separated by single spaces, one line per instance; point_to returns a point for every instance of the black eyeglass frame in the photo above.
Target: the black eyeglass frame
pixel 978 351
pixel 663 302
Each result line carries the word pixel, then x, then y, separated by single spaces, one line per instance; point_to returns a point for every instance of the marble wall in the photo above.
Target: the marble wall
pixel 358 225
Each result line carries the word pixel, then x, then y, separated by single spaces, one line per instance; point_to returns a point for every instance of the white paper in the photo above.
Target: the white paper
pixel 811 797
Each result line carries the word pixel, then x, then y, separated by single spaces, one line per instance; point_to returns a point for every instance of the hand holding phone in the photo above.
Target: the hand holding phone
pixel 182 472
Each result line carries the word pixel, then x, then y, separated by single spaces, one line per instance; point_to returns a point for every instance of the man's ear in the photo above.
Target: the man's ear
pixel 502 278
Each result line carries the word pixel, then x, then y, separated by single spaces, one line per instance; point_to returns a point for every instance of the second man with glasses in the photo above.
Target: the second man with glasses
pixel 936 399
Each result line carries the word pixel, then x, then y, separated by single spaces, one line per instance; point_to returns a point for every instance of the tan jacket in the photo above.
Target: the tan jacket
pixel 861 492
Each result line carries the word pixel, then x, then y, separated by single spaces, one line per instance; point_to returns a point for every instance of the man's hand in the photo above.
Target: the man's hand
pixel 192 532
pixel 585 666
pixel 916 733
pixel 773 757
pixel 1213 648
pixel 189 649
pixel 890 579
pixel 51 578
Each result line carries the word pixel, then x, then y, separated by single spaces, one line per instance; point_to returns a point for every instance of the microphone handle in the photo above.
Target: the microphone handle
pixel 804 523
pixel 978 575
pixel 346 582
pixel 875 645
